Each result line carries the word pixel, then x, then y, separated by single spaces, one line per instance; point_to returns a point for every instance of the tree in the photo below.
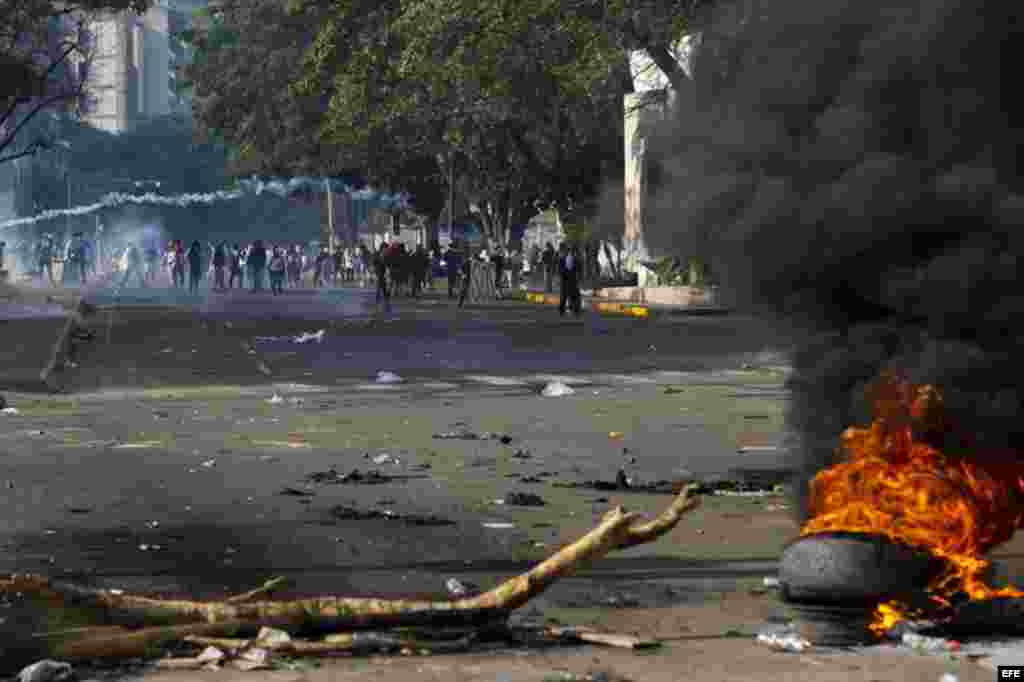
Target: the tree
pixel 45 60
pixel 491 87
pixel 245 55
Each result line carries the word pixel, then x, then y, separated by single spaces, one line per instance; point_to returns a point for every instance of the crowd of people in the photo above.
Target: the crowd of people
pixel 392 268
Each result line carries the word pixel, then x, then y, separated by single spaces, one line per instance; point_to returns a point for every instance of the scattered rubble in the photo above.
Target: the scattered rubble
pixel 625 483
pixel 926 644
pixel 47 671
pixel 524 500
pixel 305 337
pixel 345 512
pixel 466 434
pixel 784 640
pixel 556 389
pixel 370 477
pixel 296 492
pixel 457 588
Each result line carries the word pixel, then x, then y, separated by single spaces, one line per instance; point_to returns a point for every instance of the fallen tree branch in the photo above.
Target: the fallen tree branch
pixel 230 618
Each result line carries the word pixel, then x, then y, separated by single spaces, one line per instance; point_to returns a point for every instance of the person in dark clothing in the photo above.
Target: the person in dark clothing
pixel 195 266
pixel 258 263
pixel 380 270
pixel 178 269
pixel 498 259
pixel 453 262
pixel 568 270
pixel 549 264
pixel 420 268
pixel 220 261
pixel 320 267
pixel 235 267
pixel 467 278
pixel 44 256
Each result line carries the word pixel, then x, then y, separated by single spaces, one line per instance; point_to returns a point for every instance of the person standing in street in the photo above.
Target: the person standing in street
pixel 466 276
pixel 319 266
pixel 133 259
pixel 235 266
pixel 380 270
pixel 278 270
pixel 44 256
pixel 257 263
pixel 220 261
pixel 568 270
pixel 498 260
pixel 453 265
pixel 152 255
pixel 294 263
pixel 549 264
pixel 195 266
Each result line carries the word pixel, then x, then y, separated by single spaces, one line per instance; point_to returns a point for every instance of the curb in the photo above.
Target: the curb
pixel 605 307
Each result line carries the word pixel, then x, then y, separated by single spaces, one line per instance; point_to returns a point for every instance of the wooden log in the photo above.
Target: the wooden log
pixel 178 618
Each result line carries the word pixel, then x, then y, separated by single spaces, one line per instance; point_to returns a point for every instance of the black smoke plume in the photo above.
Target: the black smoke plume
pixel 854 166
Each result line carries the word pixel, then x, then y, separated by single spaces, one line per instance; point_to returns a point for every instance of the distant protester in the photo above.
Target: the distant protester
pixel 195 266
pixel 257 264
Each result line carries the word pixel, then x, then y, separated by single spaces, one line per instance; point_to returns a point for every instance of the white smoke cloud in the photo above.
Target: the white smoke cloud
pixel 253 186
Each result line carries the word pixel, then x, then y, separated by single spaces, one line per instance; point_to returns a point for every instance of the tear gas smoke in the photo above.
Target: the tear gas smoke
pixel 249 187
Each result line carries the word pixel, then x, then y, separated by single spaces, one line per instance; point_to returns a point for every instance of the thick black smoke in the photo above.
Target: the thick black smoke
pixel 854 166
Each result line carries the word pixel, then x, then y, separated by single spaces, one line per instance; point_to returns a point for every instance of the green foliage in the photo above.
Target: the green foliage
pixel 523 98
pixel 668 271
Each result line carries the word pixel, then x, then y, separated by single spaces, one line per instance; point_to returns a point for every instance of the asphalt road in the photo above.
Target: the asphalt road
pixel 165 466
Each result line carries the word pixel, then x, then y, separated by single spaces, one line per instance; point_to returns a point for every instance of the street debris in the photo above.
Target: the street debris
pixel 296 492
pixel 556 389
pixel 47 671
pixel 384 377
pixel 591 636
pixel 382 624
pixel 626 483
pixel 784 640
pixel 524 500
pixel 929 645
pixel 345 512
pixel 465 434
pixel 460 589
pixel 305 337
pixel 750 449
pixel 370 477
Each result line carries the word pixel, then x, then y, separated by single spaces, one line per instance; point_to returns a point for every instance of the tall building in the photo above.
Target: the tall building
pixel 129 79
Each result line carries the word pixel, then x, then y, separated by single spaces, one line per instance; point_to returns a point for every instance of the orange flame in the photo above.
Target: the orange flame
pixel 892 483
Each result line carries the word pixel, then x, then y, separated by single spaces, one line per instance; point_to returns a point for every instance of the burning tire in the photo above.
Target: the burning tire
pixel 852 568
